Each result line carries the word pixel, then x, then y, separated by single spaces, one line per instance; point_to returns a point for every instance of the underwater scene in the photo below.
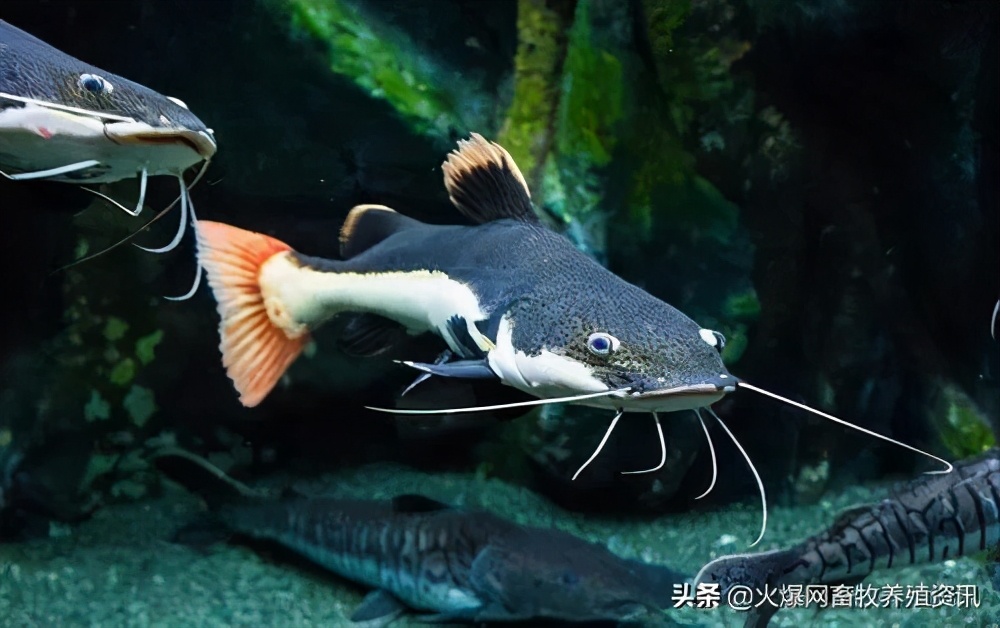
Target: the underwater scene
pixel 499 313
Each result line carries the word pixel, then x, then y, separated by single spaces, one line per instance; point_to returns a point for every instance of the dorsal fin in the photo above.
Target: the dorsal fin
pixel 367 225
pixel 485 184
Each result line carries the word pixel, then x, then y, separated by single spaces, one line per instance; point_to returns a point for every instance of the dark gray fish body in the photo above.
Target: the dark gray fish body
pixel 511 299
pixel 458 564
pixel 551 295
pixel 927 520
pixel 58 113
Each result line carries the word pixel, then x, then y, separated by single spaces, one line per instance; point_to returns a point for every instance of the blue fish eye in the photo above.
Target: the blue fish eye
pixel 95 84
pixel 601 343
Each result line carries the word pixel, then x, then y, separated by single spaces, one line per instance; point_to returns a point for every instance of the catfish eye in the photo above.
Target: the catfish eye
pixel 95 84
pixel 601 343
pixel 713 338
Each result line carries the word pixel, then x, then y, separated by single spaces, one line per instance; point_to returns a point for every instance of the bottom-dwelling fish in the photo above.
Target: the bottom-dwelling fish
pixel 455 565
pixel 923 521
pixel 512 300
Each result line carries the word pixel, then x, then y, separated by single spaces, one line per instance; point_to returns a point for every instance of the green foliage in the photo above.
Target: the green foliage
pixel 140 403
pixel 736 343
pixel 123 372
pixel 115 328
pixel 537 65
pixel 562 124
pixel 384 61
pixel 97 409
pixel 692 83
pixel 145 347
pixel 963 428
pixel 662 18
pixel 592 95
pixel 742 306
pixel 95 349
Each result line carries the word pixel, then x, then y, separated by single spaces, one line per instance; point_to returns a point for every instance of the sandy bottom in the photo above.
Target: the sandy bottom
pixel 118 569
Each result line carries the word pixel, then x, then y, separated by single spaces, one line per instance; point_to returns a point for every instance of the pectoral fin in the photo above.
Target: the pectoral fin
pixel 464 369
pixel 379 608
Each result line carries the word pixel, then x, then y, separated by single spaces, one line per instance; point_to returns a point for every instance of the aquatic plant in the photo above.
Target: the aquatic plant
pixel 528 126
pixel 567 101
pixel 961 425
pixel 388 65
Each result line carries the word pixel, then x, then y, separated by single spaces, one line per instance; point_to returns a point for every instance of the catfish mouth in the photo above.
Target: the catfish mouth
pixel 201 142
pixel 684 397
pixel 696 390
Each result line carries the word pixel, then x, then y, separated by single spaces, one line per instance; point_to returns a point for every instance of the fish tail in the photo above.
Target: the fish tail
pixel 255 351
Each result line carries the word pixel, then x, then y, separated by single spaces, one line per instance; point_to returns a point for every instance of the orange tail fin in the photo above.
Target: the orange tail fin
pixel 255 352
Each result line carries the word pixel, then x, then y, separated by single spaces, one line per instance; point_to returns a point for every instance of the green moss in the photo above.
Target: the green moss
pixel 97 409
pixel 145 347
pixel 123 372
pixel 527 129
pixel 592 95
pixel 662 18
pixel 736 343
pixel 140 403
pixel 742 306
pixel 115 328
pixel 963 430
pixel 384 61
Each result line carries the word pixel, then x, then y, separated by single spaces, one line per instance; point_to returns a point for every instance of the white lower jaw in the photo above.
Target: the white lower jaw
pixel 37 138
pixel 663 403
pixel 551 376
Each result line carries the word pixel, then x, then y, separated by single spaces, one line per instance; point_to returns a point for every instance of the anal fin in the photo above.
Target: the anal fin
pixel 369 335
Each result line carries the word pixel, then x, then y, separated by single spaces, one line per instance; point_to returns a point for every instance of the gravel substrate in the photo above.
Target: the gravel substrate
pixel 118 569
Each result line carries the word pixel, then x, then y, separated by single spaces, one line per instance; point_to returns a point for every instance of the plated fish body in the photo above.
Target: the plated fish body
pixel 460 565
pixel 62 119
pixel 927 520
pixel 421 554
pixel 511 300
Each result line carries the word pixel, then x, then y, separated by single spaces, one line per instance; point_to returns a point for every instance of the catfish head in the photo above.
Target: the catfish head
pixel 56 110
pixel 609 335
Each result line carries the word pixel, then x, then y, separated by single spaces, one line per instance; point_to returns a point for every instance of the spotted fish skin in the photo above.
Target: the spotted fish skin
pixel 457 564
pixel 424 559
pixel 933 518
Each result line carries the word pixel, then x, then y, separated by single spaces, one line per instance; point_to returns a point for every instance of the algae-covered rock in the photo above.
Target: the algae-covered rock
pixel 962 426
pixel 530 120
pixel 383 60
